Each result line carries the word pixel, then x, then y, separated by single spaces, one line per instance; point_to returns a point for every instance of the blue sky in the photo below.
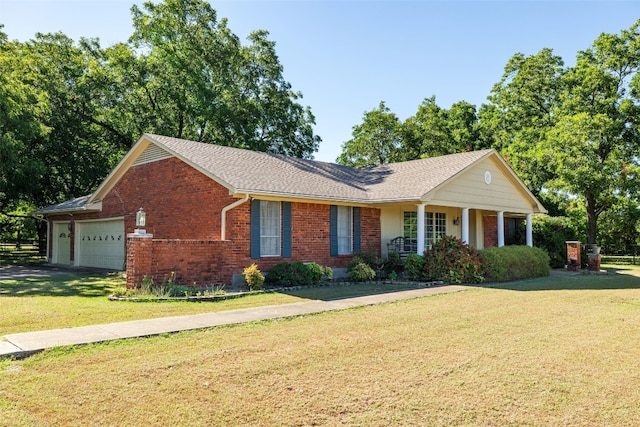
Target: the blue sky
pixel 347 56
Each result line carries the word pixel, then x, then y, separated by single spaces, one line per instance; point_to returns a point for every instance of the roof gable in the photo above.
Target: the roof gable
pixel 489 184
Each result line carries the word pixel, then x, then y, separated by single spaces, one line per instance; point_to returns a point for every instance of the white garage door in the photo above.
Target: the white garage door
pixel 101 244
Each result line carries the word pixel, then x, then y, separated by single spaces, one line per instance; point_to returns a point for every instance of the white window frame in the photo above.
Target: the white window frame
pixel 270 228
pixel 435 226
pixel 345 230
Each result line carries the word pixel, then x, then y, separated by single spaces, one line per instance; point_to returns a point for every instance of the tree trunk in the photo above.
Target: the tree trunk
pixel 592 219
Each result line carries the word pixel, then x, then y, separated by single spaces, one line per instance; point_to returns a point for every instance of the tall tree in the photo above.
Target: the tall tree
pixel 573 131
pixel 596 139
pixel 521 113
pixel 426 134
pixel 199 82
pixel 377 140
pixel 69 110
pixel 21 106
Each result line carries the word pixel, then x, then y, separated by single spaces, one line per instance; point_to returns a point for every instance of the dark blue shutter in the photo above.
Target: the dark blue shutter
pixel 286 229
pixel 356 231
pixel 255 229
pixel 333 230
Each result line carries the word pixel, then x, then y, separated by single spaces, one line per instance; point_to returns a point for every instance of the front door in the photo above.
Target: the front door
pixel 61 243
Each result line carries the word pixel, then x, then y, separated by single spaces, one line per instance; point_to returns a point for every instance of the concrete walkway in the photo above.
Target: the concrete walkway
pixel 27 343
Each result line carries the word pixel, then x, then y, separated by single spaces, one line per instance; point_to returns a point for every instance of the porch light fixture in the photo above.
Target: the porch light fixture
pixel 141 218
pixel 456 220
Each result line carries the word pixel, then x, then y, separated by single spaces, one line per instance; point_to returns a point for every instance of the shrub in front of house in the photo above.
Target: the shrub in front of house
pixel 253 277
pixel 360 271
pixel 515 262
pixel 449 260
pixel 413 267
pixel 289 274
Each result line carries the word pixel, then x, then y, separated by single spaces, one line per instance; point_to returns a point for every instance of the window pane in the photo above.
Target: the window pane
pixel 269 228
pixel 410 233
pixel 345 227
pixel 441 224
pixel 428 230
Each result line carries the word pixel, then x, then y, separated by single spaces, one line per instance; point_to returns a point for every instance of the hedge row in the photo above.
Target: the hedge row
pixel 514 263
pixel 449 260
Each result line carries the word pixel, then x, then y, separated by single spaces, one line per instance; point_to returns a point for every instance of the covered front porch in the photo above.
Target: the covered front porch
pixel 402 224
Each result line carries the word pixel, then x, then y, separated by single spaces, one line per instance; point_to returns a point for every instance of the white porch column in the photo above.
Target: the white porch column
pixel 529 230
pixel 420 236
pixel 465 225
pixel 500 229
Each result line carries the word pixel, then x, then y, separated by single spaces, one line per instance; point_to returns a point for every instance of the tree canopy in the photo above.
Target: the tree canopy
pixel 571 133
pixel 70 109
pixel 382 138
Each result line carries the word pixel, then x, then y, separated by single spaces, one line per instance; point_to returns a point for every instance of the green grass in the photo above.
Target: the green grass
pixel 79 300
pixel 561 350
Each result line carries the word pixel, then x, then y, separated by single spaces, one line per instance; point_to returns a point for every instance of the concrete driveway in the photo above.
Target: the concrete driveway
pixel 16 272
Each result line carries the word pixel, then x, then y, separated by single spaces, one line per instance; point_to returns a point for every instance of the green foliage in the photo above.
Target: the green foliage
pixel 413 267
pixel 449 260
pixel 206 86
pixel 253 277
pixel 515 262
pixel 376 141
pixel 435 131
pixel 551 234
pixel 148 289
pixel 572 130
pixel 123 291
pixel 619 231
pixel 393 266
pixel 297 273
pixel 71 109
pixel 360 271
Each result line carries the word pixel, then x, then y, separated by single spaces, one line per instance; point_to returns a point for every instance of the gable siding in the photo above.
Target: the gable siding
pixel 470 190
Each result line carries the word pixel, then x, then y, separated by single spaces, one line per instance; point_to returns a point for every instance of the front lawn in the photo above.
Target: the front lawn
pixel 561 350
pixel 79 300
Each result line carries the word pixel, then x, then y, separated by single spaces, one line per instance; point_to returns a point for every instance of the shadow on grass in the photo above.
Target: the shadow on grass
pixel 618 277
pixel 60 286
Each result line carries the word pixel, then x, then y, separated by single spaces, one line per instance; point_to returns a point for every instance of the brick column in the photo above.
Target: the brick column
pixel 139 257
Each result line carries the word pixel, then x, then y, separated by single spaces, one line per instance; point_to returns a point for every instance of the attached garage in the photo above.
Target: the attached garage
pixel 100 244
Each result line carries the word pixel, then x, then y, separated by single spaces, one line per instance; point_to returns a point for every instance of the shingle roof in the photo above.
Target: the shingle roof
pixel 257 173
pixel 74 205
pixel 245 171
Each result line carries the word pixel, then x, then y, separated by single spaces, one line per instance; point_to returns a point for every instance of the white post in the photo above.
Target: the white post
pixel 500 229
pixel 529 230
pixel 420 237
pixel 465 225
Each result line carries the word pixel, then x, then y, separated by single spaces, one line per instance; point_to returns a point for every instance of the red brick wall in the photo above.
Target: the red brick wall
pixel 191 262
pixel 183 209
pixel 490 226
pixel 310 237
